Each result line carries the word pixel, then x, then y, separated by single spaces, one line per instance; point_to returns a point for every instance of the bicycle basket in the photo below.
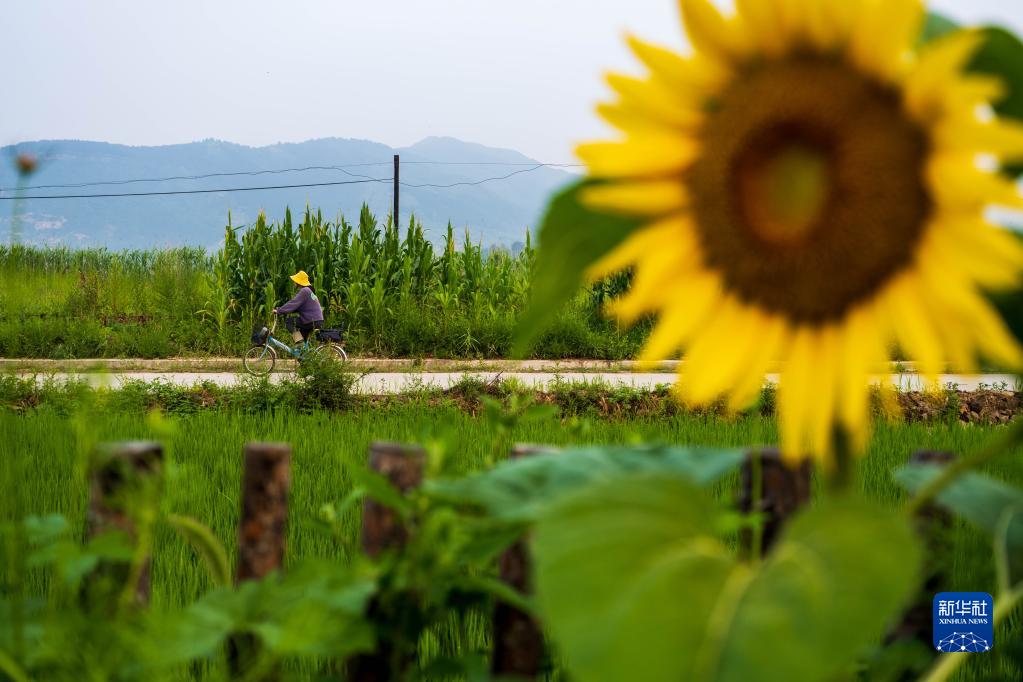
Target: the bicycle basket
pixel 259 335
pixel 330 335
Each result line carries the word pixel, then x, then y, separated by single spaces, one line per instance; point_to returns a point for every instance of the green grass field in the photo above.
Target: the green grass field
pixel 41 473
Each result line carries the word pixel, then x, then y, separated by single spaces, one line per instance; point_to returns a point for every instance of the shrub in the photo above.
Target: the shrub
pixel 323 383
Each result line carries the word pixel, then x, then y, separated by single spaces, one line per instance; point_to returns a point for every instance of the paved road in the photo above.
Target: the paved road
pixel 379 383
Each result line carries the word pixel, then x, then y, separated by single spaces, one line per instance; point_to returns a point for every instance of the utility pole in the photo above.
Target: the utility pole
pixel 394 215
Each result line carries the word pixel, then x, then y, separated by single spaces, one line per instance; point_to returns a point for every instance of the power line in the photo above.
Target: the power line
pixel 285 170
pixel 476 182
pixel 196 191
pixel 497 163
pixel 367 179
pixel 194 177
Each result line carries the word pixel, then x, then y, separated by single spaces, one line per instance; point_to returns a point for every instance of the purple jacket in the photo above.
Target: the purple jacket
pixel 306 304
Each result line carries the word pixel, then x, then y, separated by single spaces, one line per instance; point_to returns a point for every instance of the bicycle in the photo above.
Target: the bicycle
pixel 261 358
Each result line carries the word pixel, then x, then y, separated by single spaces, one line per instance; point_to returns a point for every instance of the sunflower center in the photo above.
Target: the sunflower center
pixel 784 183
pixel 809 196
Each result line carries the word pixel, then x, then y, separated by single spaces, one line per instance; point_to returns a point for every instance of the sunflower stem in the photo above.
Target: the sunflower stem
pixel 1011 438
pixel 757 471
pixel 841 477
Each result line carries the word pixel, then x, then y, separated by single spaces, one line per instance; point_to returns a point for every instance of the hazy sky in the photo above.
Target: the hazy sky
pixel 522 74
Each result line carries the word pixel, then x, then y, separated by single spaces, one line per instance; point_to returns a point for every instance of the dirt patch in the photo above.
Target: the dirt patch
pixel 969 407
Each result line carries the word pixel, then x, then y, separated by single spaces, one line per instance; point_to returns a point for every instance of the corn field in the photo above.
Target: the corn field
pixel 366 275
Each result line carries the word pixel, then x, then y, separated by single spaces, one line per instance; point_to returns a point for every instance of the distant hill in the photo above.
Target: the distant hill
pixel 497 212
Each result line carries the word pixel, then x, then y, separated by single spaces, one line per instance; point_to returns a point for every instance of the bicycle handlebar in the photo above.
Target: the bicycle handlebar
pixel 276 317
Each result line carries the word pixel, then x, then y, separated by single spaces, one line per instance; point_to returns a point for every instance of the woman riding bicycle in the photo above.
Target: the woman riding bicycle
pixel 305 303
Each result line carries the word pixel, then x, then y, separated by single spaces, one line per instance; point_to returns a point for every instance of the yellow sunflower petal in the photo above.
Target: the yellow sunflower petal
pixel 957 183
pixel 697 76
pixel 941 285
pixel 829 23
pixel 648 155
pixel 720 353
pixel 863 351
pixel 972 249
pixel 822 410
pixel 657 281
pixel 1000 138
pixel 969 320
pixel 956 339
pixel 913 327
pixel 650 198
pixel 795 395
pixel 968 92
pixel 958 102
pixel 637 245
pixel 940 63
pixel 651 100
pixel 631 119
pixel 769 341
pixel 677 324
pixel 884 33
pixel 993 337
pixel 768 24
pixel 711 34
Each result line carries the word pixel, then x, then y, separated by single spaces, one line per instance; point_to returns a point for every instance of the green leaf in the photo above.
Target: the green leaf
pixel 10 668
pixel 487 538
pixel 499 590
pixel 380 490
pixel 43 530
pixel 634 584
pixel 981 500
pixel 572 237
pixel 317 609
pixel 111 545
pixel 936 26
pixel 74 561
pixel 206 545
pixel 520 489
pixel 1002 56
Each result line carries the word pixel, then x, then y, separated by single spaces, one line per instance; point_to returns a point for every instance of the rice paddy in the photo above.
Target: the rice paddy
pixel 42 473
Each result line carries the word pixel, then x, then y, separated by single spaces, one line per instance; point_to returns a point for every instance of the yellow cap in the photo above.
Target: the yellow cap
pixel 300 278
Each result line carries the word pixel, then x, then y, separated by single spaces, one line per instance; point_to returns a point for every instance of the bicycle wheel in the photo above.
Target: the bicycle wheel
pixel 331 351
pixel 260 360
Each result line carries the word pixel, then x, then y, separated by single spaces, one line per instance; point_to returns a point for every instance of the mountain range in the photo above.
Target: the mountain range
pixel 497 211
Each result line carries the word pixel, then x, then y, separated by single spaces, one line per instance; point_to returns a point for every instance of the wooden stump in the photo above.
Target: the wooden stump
pixel 518 637
pixel 126 475
pixel 262 531
pixel 402 465
pixel 382 530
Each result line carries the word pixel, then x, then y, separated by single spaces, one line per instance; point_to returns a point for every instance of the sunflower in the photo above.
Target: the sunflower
pixel 813 189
